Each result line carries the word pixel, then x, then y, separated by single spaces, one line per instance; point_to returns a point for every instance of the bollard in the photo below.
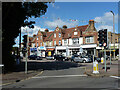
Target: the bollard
pixel 102 60
pixel 95 67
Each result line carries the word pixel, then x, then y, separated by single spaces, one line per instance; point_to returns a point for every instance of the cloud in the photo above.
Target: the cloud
pixel 106 21
pixel 54 6
pixel 107 18
pixel 53 24
pixel 31 31
pixel 109 28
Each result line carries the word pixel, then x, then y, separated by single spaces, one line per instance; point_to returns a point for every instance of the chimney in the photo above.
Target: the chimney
pixel 64 27
pixel 46 30
pixel 91 24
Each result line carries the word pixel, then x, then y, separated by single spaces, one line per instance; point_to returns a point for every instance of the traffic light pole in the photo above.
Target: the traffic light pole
pixel 105 58
pixel 26 70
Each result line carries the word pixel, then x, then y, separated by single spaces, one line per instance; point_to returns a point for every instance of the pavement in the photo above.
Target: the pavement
pixel 111 71
pixel 18 76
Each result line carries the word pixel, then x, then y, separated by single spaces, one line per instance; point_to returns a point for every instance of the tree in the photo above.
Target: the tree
pixel 13 16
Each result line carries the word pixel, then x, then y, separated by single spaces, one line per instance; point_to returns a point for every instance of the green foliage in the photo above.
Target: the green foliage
pixel 13 16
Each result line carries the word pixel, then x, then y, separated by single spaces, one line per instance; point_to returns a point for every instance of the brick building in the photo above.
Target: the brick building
pixel 67 41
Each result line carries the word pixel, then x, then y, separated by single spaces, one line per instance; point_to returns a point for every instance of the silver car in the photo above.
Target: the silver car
pixel 84 59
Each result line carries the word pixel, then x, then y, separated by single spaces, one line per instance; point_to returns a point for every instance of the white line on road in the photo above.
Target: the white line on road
pixel 115 77
pixel 60 76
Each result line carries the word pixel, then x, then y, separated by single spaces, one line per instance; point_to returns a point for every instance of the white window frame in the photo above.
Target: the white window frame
pixel 65 42
pixel 89 39
pixel 41 37
pixel 54 42
pixel 59 42
pixel 75 33
pixel 54 35
pixel 59 34
pixel 75 40
pixel 37 38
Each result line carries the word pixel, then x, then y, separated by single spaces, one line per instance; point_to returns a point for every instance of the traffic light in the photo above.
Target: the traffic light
pixel 25 41
pixel 105 38
pixel 100 38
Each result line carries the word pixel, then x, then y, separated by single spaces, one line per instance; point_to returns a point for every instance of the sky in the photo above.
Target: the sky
pixel 75 13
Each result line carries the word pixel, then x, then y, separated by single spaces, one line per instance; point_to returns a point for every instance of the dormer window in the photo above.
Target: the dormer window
pixel 75 33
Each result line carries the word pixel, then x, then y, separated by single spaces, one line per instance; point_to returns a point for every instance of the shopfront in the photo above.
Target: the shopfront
pixel 50 52
pixel 41 51
pixel 33 51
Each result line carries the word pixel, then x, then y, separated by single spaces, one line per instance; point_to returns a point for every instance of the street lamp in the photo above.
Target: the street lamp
pixel 113 33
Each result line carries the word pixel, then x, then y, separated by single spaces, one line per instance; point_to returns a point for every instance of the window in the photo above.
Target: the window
pixel 59 34
pixel 89 39
pixel 75 33
pixel 59 42
pixel 41 37
pixel 54 42
pixel 41 44
pixel 50 43
pixel 37 38
pixel 75 40
pixel 37 44
pixel 54 35
pixel 65 42
pixel 33 44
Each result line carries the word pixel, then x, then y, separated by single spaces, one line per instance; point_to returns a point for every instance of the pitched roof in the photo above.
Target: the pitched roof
pixel 68 32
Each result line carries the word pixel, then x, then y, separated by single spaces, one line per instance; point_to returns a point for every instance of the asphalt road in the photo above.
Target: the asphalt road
pixel 72 77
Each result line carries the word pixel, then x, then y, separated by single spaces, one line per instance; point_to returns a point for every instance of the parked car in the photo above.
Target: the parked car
pixel 77 58
pixel 34 57
pixel 60 58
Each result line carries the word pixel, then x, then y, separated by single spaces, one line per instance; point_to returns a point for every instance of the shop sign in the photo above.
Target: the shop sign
pixel 49 53
pixel 33 49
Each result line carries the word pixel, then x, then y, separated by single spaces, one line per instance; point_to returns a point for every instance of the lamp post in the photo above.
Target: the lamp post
pixel 113 33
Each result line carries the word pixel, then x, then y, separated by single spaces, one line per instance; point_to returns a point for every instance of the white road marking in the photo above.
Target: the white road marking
pixel 115 77
pixel 59 76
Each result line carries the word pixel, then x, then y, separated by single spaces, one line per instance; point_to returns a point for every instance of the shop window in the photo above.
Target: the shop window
pixel 75 40
pixel 89 39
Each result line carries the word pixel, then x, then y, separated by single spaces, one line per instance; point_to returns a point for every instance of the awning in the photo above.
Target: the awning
pixel 51 49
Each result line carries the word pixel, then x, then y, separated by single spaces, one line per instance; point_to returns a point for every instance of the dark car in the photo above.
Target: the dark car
pixel 95 58
pixel 34 57
pixel 60 57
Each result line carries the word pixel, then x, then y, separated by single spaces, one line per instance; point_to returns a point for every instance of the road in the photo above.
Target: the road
pixel 70 77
